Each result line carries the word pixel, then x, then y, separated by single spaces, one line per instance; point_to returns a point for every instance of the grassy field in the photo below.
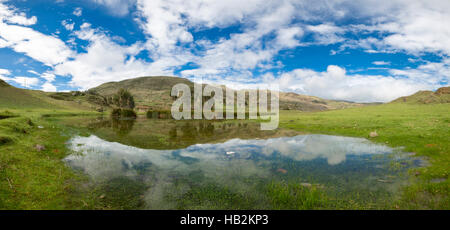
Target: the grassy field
pixel 32 174
pixel 421 129
pixel 33 178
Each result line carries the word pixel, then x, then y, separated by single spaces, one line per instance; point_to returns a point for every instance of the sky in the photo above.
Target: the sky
pixel 362 51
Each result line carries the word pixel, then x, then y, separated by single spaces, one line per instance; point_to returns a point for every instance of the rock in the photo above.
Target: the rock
pixel 307 185
pixel 39 147
pixel 373 134
pixel 284 171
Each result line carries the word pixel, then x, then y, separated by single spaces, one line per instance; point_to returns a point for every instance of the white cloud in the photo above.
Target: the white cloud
pixel 33 72
pixel 69 26
pixel 49 77
pixel 266 27
pixel 77 11
pixel 27 82
pixel 9 14
pixel 335 83
pixel 117 7
pixel 434 73
pixel 105 60
pixel 4 72
pixel 48 87
pixel 325 34
pixel 414 27
pixel 44 48
pixel 381 63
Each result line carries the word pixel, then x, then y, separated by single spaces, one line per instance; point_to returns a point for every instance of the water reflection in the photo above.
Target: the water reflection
pixel 121 127
pixel 236 164
pixel 171 134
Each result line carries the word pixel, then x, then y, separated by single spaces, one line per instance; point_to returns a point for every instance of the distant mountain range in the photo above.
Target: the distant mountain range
pixel 154 93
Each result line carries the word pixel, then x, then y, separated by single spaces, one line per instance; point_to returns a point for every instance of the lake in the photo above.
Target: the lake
pixel 167 164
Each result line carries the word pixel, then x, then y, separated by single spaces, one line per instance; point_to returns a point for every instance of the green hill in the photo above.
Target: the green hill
pixel 154 93
pixel 442 95
pixel 15 98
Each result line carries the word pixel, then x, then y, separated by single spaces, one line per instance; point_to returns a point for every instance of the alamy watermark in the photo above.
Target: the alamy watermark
pixel 215 102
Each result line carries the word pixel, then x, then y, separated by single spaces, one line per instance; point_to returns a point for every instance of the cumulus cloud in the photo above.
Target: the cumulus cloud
pixel 335 83
pixel 248 55
pixel 103 61
pixel 414 27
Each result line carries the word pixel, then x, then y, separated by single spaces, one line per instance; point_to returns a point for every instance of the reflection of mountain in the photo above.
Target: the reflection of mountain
pixel 121 127
pixel 170 134
pixel 200 163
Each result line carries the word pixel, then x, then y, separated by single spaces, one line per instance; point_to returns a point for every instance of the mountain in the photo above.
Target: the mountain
pixel 154 93
pixel 442 95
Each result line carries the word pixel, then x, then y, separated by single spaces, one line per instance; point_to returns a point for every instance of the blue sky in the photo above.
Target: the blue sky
pixel 366 51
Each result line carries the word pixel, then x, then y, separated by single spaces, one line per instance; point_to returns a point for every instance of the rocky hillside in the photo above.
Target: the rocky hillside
pixel 442 95
pixel 154 93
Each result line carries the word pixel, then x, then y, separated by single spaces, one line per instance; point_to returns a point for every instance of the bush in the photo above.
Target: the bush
pixel 124 99
pixel 123 113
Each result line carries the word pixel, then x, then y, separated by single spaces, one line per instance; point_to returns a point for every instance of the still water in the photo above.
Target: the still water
pixel 164 164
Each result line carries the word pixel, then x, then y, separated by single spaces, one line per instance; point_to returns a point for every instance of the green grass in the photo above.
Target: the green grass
pixel 32 179
pixel 422 129
pixel 295 196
